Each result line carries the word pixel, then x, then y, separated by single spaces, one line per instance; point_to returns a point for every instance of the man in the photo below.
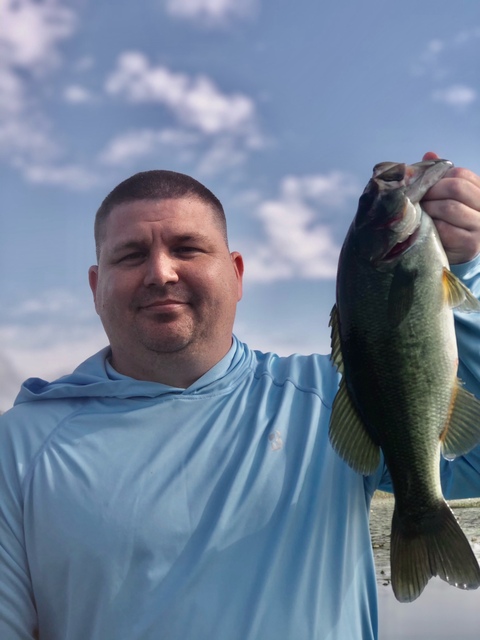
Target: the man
pixel 166 286
pixel 178 484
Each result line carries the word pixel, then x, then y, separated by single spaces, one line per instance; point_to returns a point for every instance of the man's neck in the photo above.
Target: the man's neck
pixel 177 369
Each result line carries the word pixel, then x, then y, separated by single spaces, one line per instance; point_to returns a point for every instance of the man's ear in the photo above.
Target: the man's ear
pixel 238 266
pixel 93 281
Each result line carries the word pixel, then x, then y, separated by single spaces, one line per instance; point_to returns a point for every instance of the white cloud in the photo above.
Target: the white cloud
pixel 30 35
pixel 464 37
pixel 330 189
pixel 85 63
pixel 214 129
pixel 31 32
pixel 298 243
pixel 12 94
pixel 66 332
pixel 48 352
pixel 211 156
pixel 73 176
pixel 447 61
pixel 59 303
pixel 24 132
pixel 281 341
pixel 210 12
pixel 195 101
pixel 456 95
pixel 76 94
pixel 24 141
pixel 10 380
pixel 131 145
pixel 224 153
pixel 428 60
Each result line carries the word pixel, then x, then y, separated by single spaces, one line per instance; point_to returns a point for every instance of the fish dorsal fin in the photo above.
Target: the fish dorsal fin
pixel 457 294
pixel 335 339
pixel 463 429
pixel 349 436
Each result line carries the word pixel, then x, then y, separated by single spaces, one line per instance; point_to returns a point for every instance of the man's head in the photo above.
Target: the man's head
pixel 157 184
pixel 166 285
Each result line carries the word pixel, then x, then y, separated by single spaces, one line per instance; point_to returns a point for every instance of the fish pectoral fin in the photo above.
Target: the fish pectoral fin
pixel 457 294
pixel 463 429
pixel 335 339
pixel 349 437
pixel 400 296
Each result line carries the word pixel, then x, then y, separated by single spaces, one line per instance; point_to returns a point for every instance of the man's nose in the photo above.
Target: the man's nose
pixel 161 270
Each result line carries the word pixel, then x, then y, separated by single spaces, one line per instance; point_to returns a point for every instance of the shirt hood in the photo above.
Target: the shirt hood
pixel 95 377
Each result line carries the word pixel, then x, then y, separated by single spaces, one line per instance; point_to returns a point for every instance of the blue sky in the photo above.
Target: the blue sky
pixel 281 108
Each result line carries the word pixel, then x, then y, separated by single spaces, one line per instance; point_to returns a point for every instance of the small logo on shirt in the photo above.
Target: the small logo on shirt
pixel 276 441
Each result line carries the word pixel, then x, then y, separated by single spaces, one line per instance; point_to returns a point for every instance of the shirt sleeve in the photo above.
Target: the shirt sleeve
pixel 461 477
pixel 18 618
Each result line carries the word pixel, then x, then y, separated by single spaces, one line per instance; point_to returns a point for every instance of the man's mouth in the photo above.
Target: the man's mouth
pixel 168 305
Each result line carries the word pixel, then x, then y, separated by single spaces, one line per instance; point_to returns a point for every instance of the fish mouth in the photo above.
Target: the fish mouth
pixel 401 187
pixel 416 178
pixel 419 177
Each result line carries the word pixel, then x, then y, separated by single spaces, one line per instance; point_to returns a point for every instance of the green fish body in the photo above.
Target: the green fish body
pixel 393 340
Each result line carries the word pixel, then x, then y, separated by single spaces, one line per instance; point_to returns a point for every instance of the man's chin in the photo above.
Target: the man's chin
pixel 166 344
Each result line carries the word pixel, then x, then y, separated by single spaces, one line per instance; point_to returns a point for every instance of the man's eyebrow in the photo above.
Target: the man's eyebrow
pixel 189 237
pixel 128 245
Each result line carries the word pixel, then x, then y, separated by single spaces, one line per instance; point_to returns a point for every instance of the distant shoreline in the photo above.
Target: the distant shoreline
pixel 462 503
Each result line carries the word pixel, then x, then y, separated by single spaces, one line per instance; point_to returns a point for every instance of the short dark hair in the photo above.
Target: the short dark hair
pixel 157 184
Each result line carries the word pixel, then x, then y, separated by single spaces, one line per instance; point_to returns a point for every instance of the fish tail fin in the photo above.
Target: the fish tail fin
pixel 435 547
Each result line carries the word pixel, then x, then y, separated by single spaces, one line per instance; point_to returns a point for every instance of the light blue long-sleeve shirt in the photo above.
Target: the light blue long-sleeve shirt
pixel 131 510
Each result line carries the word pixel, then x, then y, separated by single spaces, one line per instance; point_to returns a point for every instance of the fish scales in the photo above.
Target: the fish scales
pixel 393 339
pixel 378 351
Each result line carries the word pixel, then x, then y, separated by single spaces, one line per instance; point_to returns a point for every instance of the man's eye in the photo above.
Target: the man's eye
pixel 187 250
pixel 131 257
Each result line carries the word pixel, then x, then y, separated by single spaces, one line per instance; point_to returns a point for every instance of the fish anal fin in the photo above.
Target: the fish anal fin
pixel 457 295
pixel 349 437
pixel 462 432
pixel 335 339
pixel 400 297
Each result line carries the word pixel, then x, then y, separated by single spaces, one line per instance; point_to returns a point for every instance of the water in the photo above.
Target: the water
pixel 442 611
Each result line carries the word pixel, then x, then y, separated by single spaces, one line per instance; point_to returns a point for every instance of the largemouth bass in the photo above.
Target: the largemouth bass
pixel 393 340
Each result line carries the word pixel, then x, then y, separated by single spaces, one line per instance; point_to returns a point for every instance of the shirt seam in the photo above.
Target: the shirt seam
pixel 301 388
pixel 27 478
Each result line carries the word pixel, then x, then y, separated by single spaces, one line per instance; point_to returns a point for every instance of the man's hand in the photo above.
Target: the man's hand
pixel 454 206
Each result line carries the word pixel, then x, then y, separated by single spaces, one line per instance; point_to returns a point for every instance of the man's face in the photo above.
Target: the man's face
pixel 166 281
